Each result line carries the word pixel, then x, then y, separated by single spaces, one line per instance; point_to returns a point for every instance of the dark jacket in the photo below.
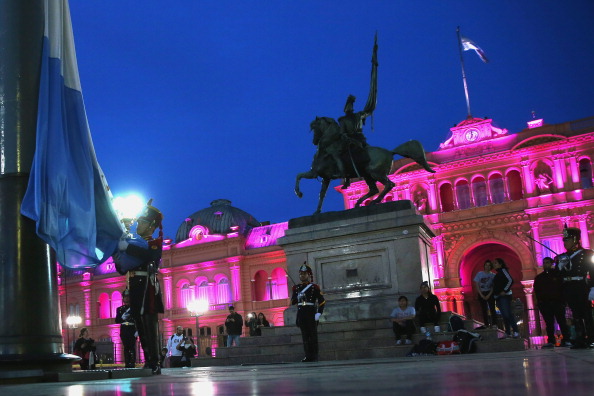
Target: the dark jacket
pixel 234 327
pixel 427 306
pixel 548 286
pixel 502 282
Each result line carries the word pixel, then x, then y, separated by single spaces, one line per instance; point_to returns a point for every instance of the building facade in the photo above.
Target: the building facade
pixel 494 194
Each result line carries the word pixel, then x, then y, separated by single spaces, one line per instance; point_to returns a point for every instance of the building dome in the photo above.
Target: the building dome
pixel 217 219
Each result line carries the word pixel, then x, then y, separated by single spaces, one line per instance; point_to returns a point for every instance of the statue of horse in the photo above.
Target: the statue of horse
pixel 328 138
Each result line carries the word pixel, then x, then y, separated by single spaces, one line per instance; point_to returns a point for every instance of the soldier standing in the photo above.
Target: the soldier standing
pixel 127 330
pixel 140 258
pixel 310 306
pixel 575 265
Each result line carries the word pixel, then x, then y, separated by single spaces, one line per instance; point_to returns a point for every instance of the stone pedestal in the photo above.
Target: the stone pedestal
pixel 362 258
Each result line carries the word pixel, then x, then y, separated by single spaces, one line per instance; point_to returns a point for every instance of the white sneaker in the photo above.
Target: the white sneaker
pixel 437 329
pixel 399 342
pixel 408 342
pixel 423 330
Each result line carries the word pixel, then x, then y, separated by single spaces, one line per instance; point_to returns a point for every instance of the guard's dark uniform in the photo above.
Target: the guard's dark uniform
pixel 141 261
pixel 309 300
pixel 575 265
pixel 127 334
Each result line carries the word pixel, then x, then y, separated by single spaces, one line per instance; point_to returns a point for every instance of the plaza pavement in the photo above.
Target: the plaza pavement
pixel 555 372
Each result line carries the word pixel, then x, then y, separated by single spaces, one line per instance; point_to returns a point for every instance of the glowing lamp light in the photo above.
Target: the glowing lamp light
pixel 198 307
pixel 73 321
pixel 128 207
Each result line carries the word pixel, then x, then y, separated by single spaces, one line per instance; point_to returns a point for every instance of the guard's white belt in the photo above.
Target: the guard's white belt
pixel 573 278
pixel 307 303
pixel 128 323
pixel 140 273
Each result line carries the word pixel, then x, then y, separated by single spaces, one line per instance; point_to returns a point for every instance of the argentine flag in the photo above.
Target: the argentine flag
pixel 67 195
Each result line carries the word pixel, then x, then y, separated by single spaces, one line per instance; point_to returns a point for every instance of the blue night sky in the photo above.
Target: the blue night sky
pixel 190 101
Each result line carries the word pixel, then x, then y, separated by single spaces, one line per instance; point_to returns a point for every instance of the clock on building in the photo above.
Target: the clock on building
pixel 471 134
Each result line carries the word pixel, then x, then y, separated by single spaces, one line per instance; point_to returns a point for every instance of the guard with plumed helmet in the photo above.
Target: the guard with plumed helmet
pixel 140 256
pixel 577 268
pixel 310 306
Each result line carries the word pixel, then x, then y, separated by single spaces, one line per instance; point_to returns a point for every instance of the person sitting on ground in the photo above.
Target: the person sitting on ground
pixel 402 321
pixel 427 308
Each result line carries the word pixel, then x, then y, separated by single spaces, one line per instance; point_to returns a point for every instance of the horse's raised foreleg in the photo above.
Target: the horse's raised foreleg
pixel 372 191
pixel 325 184
pixel 305 175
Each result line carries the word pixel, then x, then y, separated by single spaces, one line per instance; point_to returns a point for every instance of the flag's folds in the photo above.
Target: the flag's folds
pixel 468 45
pixel 67 195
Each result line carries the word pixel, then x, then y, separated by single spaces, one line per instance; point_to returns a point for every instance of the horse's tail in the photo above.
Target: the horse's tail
pixel 413 149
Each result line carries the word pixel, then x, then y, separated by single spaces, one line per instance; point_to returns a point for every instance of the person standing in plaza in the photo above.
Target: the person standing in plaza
pixel 175 347
pixel 576 268
pixel 234 326
pixel 140 258
pixel 483 281
pixel 548 296
pixel 310 306
pixel 502 284
pixel 127 331
pixel 85 348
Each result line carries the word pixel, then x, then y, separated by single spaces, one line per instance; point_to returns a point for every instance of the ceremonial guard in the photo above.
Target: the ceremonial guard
pixel 575 265
pixel 127 330
pixel 140 256
pixel 310 305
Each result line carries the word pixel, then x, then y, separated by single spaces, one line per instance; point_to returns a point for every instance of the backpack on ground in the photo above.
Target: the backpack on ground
pixel 455 323
pixel 424 347
pixel 467 340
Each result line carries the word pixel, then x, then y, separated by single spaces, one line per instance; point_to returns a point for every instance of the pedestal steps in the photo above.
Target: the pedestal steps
pixel 362 339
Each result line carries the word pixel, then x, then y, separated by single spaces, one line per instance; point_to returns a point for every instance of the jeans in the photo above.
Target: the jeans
pixel 233 339
pixel 504 304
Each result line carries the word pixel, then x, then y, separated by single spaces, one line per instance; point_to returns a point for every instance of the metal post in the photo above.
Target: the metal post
pixel 30 330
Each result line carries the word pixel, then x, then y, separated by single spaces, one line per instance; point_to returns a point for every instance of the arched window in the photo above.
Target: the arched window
pixel 116 302
pixel 104 306
pixel 223 291
pixel 279 284
pixel 585 173
pixel 463 194
pixel 261 290
pixel 446 197
pixel 202 293
pixel 479 191
pixel 514 185
pixel 185 295
pixel 496 188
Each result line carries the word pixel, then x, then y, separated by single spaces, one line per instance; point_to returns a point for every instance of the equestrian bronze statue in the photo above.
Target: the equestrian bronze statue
pixel 343 152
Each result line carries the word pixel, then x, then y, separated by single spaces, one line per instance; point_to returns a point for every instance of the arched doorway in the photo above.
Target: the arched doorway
pixel 472 262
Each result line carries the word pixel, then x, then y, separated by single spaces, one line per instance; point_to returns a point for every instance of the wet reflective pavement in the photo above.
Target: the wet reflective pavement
pixel 534 372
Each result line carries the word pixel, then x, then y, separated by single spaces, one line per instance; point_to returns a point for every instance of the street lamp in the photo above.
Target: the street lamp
pixel 198 308
pixel 73 321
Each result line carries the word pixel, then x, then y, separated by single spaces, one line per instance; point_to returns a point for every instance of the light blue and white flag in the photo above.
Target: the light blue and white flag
pixel 67 195
pixel 468 45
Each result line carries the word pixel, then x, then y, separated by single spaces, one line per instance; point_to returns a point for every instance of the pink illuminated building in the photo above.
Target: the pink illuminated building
pixel 494 194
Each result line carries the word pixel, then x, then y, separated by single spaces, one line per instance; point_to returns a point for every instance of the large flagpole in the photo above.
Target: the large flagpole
pixel 463 73
pixel 30 329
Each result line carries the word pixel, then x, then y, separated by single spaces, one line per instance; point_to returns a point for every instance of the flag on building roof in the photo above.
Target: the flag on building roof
pixel 468 45
pixel 67 195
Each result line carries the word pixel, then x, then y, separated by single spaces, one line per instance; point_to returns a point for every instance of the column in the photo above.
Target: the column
pixel 432 196
pixel 528 177
pixel 167 279
pixel 439 248
pixel 532 318
pixel 236 282
pixel 582 221
pixel 558 174
pixel 574 168
pixel 537 246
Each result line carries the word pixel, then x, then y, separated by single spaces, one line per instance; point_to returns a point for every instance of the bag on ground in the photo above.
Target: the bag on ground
pixel 467 340
pixel 448 348
pixel 455 323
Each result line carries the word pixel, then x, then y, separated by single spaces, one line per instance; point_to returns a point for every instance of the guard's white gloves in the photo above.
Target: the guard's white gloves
pixel 123 244
pixel 318 316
